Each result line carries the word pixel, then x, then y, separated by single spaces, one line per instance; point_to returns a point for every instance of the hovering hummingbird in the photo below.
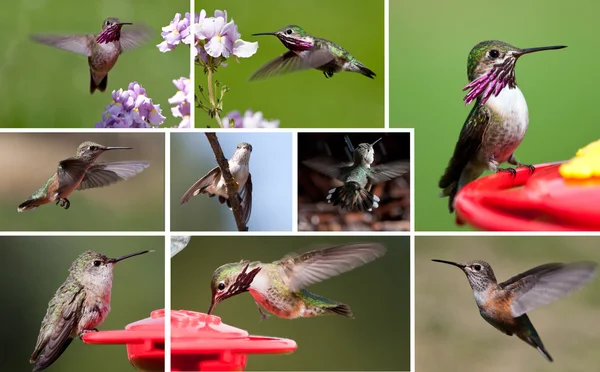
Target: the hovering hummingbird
pixel 306 52
pixel 79 306
pixel 103 49
pixel 498 121
pixel 358 177
pixel 81 173
pixel 213 182
pixel 279 286
pixel 504 305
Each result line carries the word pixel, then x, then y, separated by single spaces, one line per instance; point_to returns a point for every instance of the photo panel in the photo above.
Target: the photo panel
pixel 355 181
pixel 338 328
pixel 261 166
pixel 543 290
pixel 58 285
pixel 299 66
pixel 82 181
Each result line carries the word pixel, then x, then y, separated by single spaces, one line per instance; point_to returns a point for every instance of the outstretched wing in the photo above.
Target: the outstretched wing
pixel 69 172
pixel 134 36
pixel 79 44
pixel 290 62
pixel 314 266
pixel 327 167
pixel 547 283
pixel 201 184
pixel 104 174
pixel 385 172
pixel 58 325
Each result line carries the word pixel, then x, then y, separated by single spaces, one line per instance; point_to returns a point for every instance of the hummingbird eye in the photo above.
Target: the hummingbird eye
pixel 93 148
pixel 476 267
pixel 97 263
pixel 221 286
pixel 289 31
pixel 494 53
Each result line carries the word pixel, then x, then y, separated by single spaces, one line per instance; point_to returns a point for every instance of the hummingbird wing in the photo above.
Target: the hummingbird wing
pixel 328 167
pixel 58 325
pixel 69 172
pixel 246 196
pixel 104 174
pixel 385 172
pixel 210 178
pixel 546 283
pixel 79 44
pixel 290 62
pixel 134 36
pixel 469 140
pixel 311 267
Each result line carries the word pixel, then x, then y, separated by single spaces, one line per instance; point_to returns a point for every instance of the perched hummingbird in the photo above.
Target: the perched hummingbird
pixel 358 177
pixel 306 52
pixel 498 121
pixel 213 182
pixel 504 305
pixel 103 49
pixel 279 286
pixel 80 305
pixel 80 173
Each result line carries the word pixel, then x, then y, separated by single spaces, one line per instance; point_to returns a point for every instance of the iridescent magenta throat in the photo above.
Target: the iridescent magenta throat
pixel 492 82
pixel 109 35
pixel 295 44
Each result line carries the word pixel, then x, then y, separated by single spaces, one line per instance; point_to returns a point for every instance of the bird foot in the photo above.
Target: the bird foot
pixel 263 314
pixel 512 171
pixel 87 331
pixel 328 74
pixel 530 167
pixel 63 203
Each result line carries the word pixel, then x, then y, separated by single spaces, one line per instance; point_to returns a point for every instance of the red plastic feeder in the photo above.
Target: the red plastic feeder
pixel 200 342
pixel 542 201
pixel 145 340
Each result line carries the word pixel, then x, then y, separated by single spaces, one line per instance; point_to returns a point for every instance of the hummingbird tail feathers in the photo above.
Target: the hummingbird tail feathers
pixel 353 197
pixel 365 71
pixel 48 357
pixel 101 87
pixel 27 205
pixel 340 309
pixel 452 181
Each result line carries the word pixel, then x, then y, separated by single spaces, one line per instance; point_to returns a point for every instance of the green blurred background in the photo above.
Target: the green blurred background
pixel 37 266
pixel 428 57
pixel 55 83
pixel 450 331
pixel 27 160
pixel 304 99
pixel 378 294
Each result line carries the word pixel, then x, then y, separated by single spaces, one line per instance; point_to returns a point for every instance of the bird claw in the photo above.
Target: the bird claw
pixel 87 331
pixel 63 203
pixel 328 74
pixel 512 171
pixel 530 167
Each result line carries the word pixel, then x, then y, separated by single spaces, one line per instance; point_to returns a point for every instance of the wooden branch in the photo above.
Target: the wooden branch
pixel 230 182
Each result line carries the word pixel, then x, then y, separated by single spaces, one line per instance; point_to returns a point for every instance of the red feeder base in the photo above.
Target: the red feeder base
pixel 544 201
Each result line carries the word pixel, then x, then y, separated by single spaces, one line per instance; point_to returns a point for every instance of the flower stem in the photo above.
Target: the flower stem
pixel 211 96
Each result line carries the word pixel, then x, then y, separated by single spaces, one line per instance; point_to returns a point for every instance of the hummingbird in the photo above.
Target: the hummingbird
pixel 103 49
pixel 79 305
pixel 504 305
pixel 498 121
pixel 279 286
pixel 81 172
pixel 306 52
pixel 358 177
pixel 213 182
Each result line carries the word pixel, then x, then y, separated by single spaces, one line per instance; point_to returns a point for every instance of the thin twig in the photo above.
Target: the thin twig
pixel 230 183
pixel 211 96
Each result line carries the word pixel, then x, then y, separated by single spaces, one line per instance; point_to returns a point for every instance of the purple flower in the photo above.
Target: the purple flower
pixel 250 120
pixel 221 38
pixel 131 109
pixel 176 32
pixel 182 99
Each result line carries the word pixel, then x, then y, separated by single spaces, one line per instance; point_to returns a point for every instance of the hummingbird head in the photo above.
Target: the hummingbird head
pixel 293 37
pixel 491 68
pixel 242 153
pixel 479 273
pixel 365 153
pixel 228 281
pixel 91 267
pixel 111 30
pixel 89 151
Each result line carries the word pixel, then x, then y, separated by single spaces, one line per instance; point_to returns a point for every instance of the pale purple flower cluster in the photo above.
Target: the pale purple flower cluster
pixel 249 120
pixel 131 108
pixel 182 99
pixel 215 37
pixel 178 31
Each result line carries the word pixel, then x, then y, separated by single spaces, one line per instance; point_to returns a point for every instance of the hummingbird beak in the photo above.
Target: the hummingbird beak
pixel 538 49
pixel 265 33
pixel 124 23
pixel 213 303
pixel 117 148
pixel 373 144
pixel 115 260
pixel 461 266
